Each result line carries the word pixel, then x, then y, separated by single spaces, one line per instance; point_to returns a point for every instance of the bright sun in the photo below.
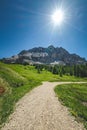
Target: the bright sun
pixel 58 17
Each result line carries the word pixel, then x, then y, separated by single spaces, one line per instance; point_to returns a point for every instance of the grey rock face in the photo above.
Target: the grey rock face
pixel 47 55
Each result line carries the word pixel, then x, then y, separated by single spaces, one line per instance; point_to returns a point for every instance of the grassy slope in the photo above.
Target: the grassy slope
pixel 74 96
pixel 30 73
pixel 18 80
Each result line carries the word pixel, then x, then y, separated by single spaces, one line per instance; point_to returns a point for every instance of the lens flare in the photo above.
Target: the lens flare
pixel 58 17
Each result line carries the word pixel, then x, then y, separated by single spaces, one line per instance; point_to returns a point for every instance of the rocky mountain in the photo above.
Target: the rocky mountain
pixel 49 55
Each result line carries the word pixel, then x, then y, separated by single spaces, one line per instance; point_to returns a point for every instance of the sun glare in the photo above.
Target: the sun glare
pixel 58 17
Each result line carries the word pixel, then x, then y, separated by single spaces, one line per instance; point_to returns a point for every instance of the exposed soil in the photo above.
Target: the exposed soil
pixel 2 90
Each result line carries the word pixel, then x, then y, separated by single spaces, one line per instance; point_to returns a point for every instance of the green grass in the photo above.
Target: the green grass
pixel 74 96
pixel 30 73
pixel 17 80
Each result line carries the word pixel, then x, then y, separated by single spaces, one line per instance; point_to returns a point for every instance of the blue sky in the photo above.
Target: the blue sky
pixel 25 24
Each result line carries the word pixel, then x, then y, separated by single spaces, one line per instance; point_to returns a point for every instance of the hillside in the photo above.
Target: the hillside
pixel 16 80
pixel 49 55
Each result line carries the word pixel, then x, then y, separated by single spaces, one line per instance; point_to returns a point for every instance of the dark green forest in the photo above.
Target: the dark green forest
pixel 74 70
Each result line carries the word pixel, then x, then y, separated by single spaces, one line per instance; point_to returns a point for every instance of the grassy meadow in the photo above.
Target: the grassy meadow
pixel 74 96
pixel 16 80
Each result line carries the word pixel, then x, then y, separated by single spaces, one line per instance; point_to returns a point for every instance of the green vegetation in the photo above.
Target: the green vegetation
pixel 16 80
pixel 70 70
pixel 74 96
pixel 13 86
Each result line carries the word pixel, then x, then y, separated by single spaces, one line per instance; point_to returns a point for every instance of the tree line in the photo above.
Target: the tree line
pixel 74 70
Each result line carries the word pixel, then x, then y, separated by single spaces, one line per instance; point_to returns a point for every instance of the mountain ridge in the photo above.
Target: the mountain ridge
pixel 49 55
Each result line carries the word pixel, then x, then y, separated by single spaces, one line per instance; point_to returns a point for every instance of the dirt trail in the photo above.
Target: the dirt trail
pixel 41 110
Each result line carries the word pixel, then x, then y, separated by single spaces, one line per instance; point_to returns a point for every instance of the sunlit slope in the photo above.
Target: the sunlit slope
pixel 10 76
pixel 15 81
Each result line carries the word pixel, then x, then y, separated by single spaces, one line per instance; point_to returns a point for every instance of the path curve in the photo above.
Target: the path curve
pixel 41 110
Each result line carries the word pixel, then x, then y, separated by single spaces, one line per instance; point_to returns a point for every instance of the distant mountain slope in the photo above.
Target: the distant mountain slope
pixel 49 55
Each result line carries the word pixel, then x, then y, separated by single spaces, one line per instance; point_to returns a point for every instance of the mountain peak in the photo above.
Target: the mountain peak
pixel 46 56
pixel 51 47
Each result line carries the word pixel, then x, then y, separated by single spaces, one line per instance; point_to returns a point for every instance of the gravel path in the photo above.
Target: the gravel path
pixel 41 110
